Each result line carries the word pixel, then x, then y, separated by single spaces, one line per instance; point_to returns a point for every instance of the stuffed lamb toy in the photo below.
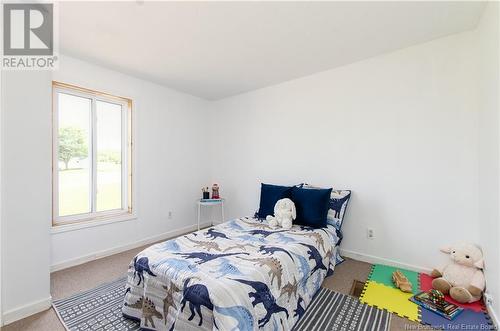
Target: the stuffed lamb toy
pixel 463 278
pixel 284 214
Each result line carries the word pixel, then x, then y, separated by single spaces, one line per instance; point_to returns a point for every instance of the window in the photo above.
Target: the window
pixel 92 154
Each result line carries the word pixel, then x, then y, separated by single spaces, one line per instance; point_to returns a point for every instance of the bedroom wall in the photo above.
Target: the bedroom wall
pixel 169 153
pixel 26 192
pixel 489 162
pixel 400 130
pixel 169 131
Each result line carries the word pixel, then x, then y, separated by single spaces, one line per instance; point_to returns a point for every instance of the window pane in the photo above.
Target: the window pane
pixel 74 117
pixel 109 156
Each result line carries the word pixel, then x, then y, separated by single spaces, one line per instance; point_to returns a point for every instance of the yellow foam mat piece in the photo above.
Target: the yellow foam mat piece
pixel 390 299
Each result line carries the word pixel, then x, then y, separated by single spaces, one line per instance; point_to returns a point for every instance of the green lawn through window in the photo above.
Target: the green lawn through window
pixel 74 189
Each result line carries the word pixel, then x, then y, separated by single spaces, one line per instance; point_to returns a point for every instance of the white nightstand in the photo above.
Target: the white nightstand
pixel 210 203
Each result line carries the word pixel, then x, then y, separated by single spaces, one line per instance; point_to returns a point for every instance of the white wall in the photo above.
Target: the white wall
pixel 489 165
pixel 400 130
pixel 170 131
pixel 169 152
pixel 26 192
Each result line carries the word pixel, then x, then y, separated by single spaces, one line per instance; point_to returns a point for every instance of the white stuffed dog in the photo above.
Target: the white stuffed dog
pixel 463 278
pixel 284 214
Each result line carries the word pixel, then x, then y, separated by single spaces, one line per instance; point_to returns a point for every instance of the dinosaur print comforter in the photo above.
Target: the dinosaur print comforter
pixel 239 275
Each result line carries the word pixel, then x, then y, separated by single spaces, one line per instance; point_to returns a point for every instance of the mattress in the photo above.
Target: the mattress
pixel 239 275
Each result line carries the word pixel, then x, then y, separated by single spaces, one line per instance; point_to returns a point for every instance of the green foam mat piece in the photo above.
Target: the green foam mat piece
pixel 382 274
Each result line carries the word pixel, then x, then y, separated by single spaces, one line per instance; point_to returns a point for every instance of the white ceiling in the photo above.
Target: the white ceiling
pixel 218 49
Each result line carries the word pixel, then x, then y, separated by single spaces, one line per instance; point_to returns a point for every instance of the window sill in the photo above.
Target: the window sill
pixel 92 223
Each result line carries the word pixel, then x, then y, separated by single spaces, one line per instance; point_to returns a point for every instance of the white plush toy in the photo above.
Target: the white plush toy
pixel 463 278
pixel 284 214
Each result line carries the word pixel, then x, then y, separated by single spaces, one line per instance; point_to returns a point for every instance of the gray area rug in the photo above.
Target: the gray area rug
pixel 100 309
pixel 330 311
pixel 96 309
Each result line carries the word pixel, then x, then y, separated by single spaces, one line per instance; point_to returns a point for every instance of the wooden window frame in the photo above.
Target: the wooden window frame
pixel 127 155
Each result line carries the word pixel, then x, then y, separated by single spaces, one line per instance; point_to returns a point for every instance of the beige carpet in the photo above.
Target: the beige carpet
pixel 73 280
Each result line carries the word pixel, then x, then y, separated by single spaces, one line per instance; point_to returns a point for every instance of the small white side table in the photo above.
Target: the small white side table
pixel 209 203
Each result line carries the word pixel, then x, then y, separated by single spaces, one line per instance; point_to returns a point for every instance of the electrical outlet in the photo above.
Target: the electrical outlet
pixel 370 234
pixel 169 215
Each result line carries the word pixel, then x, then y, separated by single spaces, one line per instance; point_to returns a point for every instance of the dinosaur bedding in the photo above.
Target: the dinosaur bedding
pixel 239 275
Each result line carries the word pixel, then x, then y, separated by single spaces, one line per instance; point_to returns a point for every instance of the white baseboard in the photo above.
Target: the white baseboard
pixel 115 250
pixel 29 309
pixel 380 260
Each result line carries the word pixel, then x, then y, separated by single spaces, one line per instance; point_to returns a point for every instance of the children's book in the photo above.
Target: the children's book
pixel 447 310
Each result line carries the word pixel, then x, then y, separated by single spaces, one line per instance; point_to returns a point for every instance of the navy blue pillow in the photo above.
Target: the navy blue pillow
pixel 269 195
pixel 312 206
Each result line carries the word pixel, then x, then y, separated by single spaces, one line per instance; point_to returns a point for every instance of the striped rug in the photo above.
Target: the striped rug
pixel 96 309
pixel 330 311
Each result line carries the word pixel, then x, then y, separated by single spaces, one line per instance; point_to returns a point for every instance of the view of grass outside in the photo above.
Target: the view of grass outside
pixel 74 136
pixel 109 158
pixel 74 195
pixel 109 186
pixel 74 149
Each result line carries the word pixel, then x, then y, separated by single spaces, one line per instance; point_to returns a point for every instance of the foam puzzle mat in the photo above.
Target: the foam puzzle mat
pixel 382 274
pixel 467 320
pixel 380 292
pixel 390 299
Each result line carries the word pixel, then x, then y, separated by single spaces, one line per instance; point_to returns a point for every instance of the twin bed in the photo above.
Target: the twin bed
pixel 239 275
